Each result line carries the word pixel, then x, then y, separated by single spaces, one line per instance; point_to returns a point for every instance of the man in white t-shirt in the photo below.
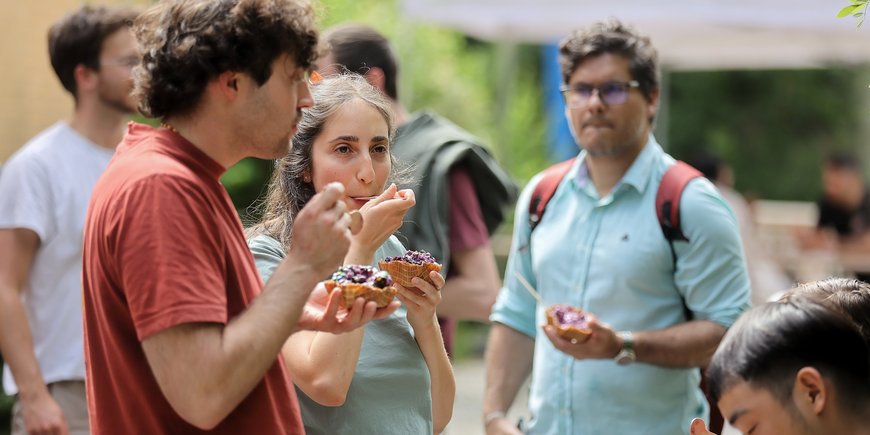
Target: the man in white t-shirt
pixel 44 192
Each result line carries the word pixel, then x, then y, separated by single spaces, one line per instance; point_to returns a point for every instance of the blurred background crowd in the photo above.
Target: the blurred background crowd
pixel 768 98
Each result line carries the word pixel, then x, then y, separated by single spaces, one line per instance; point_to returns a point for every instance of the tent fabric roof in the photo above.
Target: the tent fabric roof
pixel 689 35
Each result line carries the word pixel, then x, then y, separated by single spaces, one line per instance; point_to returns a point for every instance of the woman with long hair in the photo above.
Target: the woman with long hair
pixel 393 375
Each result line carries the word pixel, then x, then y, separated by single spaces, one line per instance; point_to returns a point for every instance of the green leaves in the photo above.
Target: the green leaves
pixel 848 10
pixel 857 9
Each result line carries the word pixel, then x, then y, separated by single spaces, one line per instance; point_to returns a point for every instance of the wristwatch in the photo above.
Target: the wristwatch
pixel 626 355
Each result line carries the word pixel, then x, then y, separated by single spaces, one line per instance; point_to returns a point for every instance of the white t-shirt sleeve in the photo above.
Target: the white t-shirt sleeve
pixel 26 196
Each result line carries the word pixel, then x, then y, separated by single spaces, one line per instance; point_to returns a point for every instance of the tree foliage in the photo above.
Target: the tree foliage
pixel 773 127
pixel 857 9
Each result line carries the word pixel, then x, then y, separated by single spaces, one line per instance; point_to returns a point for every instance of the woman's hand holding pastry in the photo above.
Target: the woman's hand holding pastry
pixel 421 300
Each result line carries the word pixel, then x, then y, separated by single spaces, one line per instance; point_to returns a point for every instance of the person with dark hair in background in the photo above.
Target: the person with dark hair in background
pixel 181 336
pixel 601 248
pixel 844 212
pixel 792 367
pixel 44 193
pixel 766 277
pixel 461 191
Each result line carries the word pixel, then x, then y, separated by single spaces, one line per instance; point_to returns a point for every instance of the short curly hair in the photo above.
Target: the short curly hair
pixel 186 43
pixel 612 37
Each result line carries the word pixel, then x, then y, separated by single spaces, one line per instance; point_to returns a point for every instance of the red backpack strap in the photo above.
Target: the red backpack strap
pixel 668 198
pixel 545 189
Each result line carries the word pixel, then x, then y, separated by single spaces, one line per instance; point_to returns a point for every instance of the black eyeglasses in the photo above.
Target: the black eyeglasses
pixel 611 93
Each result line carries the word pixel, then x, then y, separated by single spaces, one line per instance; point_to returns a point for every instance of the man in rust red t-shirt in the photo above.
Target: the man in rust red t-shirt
pixel 180 335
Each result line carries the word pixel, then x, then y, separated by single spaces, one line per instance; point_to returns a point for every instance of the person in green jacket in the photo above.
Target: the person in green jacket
pixel 393 376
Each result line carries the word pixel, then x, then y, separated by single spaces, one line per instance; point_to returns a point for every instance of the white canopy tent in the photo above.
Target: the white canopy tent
pixel 689 35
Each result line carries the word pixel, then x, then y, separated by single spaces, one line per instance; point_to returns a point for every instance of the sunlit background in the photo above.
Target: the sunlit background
pixel 771 86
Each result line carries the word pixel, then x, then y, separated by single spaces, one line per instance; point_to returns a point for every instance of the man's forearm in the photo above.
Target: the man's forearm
pixel 205 371
pixel 689 344
pixel 16 345
pixel 508 364
pixel 470 293
pixel 19 248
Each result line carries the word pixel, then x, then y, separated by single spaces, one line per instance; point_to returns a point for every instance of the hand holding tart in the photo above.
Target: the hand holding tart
pixel 406 267
pixel 570 323
pixel 366 282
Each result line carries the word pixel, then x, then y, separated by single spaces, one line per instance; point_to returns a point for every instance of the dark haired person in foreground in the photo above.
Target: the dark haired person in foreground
pixel 181 336
pixel 792 367
pixel 848 297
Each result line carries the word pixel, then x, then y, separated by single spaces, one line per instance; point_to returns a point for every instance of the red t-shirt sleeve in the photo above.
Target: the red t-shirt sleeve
pixel 171 263
pixel 467 228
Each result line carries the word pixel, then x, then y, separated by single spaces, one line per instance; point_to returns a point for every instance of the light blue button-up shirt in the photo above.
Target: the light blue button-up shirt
pixel 608 256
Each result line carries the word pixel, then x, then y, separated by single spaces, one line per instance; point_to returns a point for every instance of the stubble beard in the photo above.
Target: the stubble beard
pixel 121 104
pixel 618 147
pixel 608 148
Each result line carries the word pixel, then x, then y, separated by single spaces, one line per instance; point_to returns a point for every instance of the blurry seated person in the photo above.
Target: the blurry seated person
pixel 765 275
pixel 844 211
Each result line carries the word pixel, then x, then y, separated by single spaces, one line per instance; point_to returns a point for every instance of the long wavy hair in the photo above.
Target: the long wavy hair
pixel 291 187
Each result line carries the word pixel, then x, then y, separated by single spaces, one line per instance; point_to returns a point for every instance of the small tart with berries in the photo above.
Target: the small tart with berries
pixel 365 282
pixel 409 265
pixel 570 322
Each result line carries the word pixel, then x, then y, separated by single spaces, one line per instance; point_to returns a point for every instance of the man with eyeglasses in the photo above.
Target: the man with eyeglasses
pixel 654 318
pixel 44 193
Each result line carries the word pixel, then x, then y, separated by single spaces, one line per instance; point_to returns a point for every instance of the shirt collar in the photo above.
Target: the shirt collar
pixel 638 173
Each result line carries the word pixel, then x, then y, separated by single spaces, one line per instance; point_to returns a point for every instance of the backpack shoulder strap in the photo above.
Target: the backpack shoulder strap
pixel 545 189
pixel 668 198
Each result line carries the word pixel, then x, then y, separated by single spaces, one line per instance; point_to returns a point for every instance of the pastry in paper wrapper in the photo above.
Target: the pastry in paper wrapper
pixel 406 267
pixel 570 322
pixel 362 281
